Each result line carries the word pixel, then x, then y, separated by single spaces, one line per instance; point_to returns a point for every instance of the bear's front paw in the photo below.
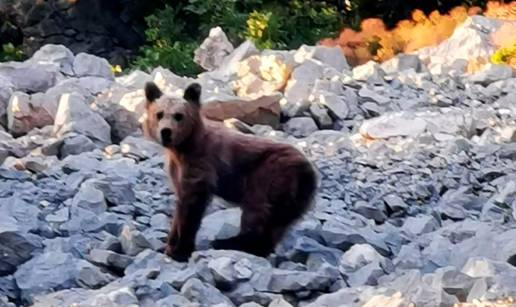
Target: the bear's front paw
pixel 177 255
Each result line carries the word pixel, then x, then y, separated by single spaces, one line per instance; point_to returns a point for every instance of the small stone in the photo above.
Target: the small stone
pixel 76 144
pixel 395 203
pixel 133 241
pixel 109 259
pixel 374 211
pixel 197 291
pixel 321 117
pixel 370 72
pixel 419 225
pixel 279 302
pixel 89 198
pixel 300 127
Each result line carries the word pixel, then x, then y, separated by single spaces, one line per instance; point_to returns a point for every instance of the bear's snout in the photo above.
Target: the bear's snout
pixel 166 136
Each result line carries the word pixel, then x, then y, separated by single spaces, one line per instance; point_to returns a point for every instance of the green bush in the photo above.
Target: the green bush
pixel 173 33
pixel 10 52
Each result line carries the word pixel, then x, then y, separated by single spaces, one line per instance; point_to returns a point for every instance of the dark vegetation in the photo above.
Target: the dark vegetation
pixel 171 30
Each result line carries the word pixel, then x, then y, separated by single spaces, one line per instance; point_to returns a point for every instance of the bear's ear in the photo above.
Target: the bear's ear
pixel 193 94
pixel 152 92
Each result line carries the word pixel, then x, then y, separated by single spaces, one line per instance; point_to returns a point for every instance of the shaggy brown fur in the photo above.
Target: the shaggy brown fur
pixel 273 183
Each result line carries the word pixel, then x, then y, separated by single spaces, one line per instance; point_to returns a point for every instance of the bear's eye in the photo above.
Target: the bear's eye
pixel 160 115
pixel 178 117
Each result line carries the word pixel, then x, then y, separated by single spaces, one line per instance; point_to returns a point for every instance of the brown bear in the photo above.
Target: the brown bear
pixel 273 183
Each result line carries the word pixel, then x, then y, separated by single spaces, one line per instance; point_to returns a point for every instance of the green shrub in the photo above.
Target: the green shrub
pixel 169 44
pixel 10 52
pixel 174 33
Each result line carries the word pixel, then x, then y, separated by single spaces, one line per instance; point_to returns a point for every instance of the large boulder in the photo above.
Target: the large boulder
pixel 55 54
pixel 29 77
pixel 261 75
pixel 89 65
pixel 264 110
pixel 471 41
pixel 299 88
pixel 74 115
pixel 123 122
pixel 329 56
pixel 213 50
pixel 228 67
pixel 26 112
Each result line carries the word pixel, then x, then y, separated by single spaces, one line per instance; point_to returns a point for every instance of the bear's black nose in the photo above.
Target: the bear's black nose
pixel 166 136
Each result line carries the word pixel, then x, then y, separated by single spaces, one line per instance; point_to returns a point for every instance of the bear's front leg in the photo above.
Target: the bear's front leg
pixel 187 220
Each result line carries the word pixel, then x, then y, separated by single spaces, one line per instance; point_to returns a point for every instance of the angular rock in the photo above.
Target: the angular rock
pixel 330 56
pixel 55 271
pixel 175 300
pixel 299 87
pixel 390 125
pixel 16 245
pixel 219 225
pixel 111 295
pixel 90 198
pixel 135 80
pixel 197 291
pixel 419 225
pixel 228 67
pixel 366 275
pixel 75 144
pixel 26 112
pixel 55 54
pixel 109 259
pixel 473 39
pixel 123 123
pixel 279 302
pixel 321 117
pixel 370 72
pixel 29 78
pixel 74 115
pixel 285 281
pixel 336 105
pixel 402 62
pixel 345 235
pixel 6 90
pixel 89 65
pixel 492 73
pixel 133 241
pixel 300 127
pixel 360 255
pixel 213 50
pixel 264 110
pixel 261 75
pixel 374 211
pixel 395 203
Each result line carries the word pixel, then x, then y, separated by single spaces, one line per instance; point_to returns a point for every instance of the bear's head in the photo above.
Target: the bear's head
pixel 171 121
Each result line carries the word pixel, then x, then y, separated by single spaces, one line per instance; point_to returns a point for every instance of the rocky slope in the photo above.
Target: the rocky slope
pixel 416 204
